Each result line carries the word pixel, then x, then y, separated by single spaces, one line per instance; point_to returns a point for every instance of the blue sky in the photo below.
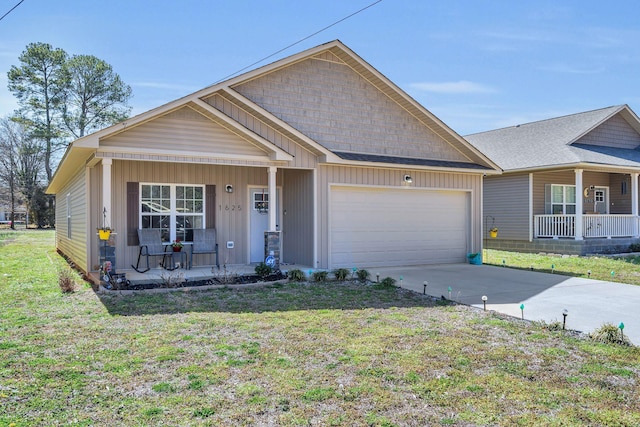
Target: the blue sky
pixel 477 65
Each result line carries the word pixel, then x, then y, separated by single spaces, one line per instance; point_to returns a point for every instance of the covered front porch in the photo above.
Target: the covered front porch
pixel 592 226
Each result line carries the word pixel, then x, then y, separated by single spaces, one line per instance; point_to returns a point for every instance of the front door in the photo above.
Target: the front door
pixel 259 221
pixel 601 200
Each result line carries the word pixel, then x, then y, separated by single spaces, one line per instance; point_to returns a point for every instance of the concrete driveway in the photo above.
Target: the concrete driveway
pixel 590 302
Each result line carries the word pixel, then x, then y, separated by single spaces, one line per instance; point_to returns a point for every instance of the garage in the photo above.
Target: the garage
pixel 372 226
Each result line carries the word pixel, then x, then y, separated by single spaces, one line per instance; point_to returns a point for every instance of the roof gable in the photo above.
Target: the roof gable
pixel 615 132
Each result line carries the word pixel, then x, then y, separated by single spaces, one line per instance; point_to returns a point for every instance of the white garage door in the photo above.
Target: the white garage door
pixel 372 227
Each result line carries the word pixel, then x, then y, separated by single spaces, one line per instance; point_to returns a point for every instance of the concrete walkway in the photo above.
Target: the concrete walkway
pixel 590 302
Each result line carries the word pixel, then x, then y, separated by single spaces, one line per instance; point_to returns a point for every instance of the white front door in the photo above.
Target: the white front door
pixel 601 200
pixel 259 221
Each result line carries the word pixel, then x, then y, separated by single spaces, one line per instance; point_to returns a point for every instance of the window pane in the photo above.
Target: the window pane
pixel 571 209
pixel 557 195
pixel 557 209
pixel 179 192
pixel 571 193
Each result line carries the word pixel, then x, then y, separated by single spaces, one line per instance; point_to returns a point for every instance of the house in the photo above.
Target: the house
pixel 569 184
pixel 319 152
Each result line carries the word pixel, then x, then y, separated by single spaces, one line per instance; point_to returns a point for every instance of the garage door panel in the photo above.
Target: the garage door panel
pixel 383 227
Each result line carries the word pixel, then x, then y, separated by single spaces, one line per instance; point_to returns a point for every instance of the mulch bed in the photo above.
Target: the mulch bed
pixel 235 280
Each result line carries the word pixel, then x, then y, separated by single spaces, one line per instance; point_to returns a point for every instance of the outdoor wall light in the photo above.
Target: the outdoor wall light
pixel 408 179
pixel 228 188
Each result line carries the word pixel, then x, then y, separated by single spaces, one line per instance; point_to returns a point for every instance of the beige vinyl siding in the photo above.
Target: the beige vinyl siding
pixel 619 203
pixel 328 175
pixel 76 247
pixel 506 206
pixel 337 107
pixel 184 131
pixel 303 158
pixel 615 132
pixel 232 209
pixel 297 223
pixel 540 179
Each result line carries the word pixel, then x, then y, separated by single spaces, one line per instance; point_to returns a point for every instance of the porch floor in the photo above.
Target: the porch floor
pixel 158 274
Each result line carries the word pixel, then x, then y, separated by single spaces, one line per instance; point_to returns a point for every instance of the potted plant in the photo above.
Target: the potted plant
pixel 104 233
pixel 493 232
pixel 177 245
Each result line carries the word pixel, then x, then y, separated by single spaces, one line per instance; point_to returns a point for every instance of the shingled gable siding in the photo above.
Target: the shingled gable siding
pixel 506 206
pixel 338 108
pixel 615 132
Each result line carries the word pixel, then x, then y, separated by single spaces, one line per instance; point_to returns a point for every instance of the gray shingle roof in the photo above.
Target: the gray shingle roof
pixel 410 161
pixel 551 143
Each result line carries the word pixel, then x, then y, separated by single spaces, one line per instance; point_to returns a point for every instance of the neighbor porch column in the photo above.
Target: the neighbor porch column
pixel 579 208
pixel 634 203
pixel 106 192
pixel 272 198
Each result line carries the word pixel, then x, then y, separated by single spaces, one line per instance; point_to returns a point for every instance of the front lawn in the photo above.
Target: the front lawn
pixel 289 354
pixel 614 268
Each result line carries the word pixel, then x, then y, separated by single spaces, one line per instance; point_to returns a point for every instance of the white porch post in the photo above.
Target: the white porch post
pixel 272 198
pixel 579 208
pixel 634 203
pixel 106 191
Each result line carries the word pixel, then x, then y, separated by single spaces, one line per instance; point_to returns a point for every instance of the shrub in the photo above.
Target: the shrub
pixel 66 281
pixel 296 275
pixel 320 276
pixel 263 270
pixel 609 334
pixel 363 275
pixel 387 282
pixel 341 274
pixel 635 247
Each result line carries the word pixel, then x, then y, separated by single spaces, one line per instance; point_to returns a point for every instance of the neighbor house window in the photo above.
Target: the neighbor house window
pixel 176 210
pixel 560 199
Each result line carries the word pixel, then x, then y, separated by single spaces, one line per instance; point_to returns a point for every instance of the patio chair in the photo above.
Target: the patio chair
pixel 204 242
pixel 151 245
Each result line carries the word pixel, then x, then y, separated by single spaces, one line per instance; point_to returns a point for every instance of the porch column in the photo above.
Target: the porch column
pixel 634 203
pixel 106 192
pixel 272 198
pixel 579 208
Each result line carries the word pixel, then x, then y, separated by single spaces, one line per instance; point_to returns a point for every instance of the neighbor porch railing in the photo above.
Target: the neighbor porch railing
pixel 558 226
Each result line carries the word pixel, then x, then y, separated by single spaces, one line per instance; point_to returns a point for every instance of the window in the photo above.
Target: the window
pixel 68 215
pixel 261 202
pixel 561 199
pixel 176 210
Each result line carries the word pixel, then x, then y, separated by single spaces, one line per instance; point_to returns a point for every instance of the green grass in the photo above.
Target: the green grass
pixel 624 269
pixel 295 354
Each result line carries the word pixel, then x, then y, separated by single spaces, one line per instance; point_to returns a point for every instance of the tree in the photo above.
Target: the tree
pixel 39 84
pixel 96 96
pixel 11 137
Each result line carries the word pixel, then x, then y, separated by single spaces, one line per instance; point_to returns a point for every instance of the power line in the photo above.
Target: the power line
pixel 11 10
pixel 299 41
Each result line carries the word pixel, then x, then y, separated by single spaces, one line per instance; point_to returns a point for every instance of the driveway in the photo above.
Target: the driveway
pixel 590 302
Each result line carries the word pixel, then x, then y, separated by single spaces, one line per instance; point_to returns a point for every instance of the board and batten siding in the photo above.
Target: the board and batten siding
pixel 360 176
pixel 338 108
pixel 615 132
pixel 232 208
pixel 74 248
pixel 506 206
pixel 297 220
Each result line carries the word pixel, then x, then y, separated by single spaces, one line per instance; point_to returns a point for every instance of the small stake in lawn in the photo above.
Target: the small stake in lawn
pixel 613 273
pixel 424 287
pixel 504 263
pixel 377 277
pixel 565 313
pixel 449 289
pixel 553 268
pixel 621 326
pixel 400 281
pixel 531 267
pixel 484 302
pixel 522 310
pixel 589 274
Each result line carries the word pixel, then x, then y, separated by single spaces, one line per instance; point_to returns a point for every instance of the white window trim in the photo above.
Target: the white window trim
pixel 564 203
pixel 173 213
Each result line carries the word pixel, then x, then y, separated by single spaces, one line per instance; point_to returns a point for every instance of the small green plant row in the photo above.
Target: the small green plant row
pixel 321 276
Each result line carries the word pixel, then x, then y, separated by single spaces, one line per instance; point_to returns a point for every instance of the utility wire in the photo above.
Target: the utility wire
pixel 299 41
pixel 11 10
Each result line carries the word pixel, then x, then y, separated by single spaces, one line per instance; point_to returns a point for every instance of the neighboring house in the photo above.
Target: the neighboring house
pixel 320 149
pixel 569 184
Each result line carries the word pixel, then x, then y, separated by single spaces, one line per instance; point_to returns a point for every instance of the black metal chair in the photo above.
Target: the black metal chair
pixel 151 245
pixel 204 242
